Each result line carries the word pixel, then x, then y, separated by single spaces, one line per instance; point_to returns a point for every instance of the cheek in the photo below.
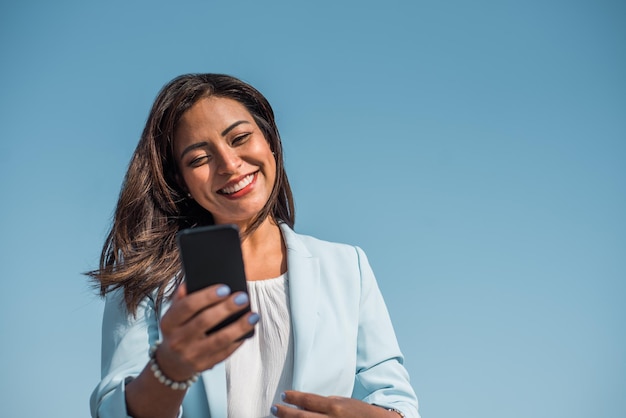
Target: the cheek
pixel 268 157
pixel 260 150
pixel 196 178
pixel 273 167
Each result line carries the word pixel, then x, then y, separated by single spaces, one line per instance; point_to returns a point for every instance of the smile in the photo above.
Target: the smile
pixel 241 184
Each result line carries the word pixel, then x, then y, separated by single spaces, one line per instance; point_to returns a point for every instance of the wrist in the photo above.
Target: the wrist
pixel 167 379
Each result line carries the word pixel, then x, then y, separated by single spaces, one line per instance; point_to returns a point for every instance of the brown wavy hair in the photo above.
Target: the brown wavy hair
pixel 140 253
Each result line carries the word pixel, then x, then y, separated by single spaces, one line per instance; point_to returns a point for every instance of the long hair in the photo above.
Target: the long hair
pixel 140 253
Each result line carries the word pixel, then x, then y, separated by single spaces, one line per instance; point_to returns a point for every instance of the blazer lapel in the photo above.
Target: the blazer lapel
pixel 304 278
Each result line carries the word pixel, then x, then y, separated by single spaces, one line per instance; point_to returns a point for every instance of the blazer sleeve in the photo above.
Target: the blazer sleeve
pixel 381 378
pixel 126 340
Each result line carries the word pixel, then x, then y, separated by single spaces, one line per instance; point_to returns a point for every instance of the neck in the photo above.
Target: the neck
pixel 263 252
pixel 260 236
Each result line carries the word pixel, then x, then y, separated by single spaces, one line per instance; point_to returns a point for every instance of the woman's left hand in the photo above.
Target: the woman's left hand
pixel 316 406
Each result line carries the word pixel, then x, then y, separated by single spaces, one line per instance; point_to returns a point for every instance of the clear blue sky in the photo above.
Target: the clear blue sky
pixel 475 150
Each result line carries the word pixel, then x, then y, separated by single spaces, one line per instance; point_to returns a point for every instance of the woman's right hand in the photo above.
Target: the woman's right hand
pixel 186 349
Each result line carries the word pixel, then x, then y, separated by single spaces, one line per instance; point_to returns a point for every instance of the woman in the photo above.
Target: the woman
pixel 324 345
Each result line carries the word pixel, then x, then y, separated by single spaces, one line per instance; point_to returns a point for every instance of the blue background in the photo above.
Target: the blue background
pixel 475 150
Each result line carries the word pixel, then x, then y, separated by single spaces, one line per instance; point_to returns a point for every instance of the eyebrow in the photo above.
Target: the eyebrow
pixel 233 126
pixel 193 147
pixel 203 144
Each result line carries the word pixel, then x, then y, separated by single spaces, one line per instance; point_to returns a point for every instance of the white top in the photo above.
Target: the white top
pixel 262 367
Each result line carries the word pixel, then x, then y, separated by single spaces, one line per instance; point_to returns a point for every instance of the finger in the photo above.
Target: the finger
pixel 186 354
pixel 239 325
pixel 181 356
pixel 208 358
pixel 308 401
pixel 209 318
pixel 218 345
pixel 189 341
pixel 186 307
pixel 205 298
pixel 285 411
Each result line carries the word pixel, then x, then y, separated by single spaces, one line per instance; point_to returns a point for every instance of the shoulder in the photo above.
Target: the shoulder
pixel 316 246
pixel 331 255
pixel 320 245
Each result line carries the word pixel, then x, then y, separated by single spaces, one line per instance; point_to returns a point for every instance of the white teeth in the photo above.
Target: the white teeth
pixel 240 185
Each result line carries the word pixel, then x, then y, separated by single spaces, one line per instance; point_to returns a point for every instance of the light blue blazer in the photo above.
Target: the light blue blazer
pixel 344 343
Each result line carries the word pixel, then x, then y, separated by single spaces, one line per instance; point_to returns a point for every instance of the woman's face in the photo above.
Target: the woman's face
pixel 226 163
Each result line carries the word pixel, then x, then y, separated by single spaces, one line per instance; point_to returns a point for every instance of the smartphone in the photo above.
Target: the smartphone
pixel 212 255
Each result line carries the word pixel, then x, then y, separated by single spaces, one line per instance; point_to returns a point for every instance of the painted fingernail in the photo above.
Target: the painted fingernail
pixel 282 396
pixel 222 291
pixel 274 410
pixel 241 299
pixel 253 319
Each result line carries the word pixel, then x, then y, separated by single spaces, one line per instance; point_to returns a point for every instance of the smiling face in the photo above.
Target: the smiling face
pixel 224 160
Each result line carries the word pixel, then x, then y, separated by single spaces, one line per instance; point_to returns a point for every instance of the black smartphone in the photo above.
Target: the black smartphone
pixel 212 255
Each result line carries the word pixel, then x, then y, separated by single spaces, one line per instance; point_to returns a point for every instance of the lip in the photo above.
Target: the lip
pixel 241 192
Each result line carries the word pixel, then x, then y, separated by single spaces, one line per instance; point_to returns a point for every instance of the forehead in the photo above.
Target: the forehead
pixel 212 113
pixel 208 118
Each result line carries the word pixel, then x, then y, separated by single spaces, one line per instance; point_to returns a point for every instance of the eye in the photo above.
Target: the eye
pixel 241 139
pixel 199 160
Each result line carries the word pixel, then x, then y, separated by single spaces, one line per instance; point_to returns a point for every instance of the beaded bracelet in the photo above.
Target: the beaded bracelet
pixel 392 410
pixel 396 411
pixel 158 373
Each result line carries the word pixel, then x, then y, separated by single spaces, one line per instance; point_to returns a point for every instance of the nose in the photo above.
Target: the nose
pixel 228 161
